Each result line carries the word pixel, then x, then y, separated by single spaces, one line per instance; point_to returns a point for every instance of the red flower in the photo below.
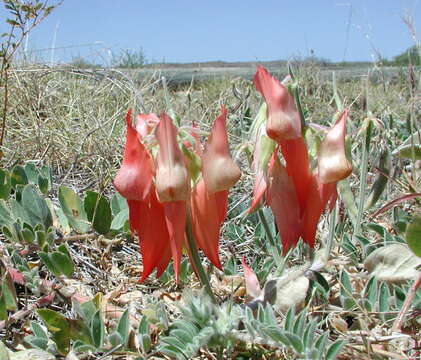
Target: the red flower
pixel 210 195
pixel 134 179
pixel 162 191
pixel 283 119
pixel 219 170
pixel 296 194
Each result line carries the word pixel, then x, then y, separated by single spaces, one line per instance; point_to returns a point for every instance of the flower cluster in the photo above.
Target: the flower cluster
pixel 169 181
pixel 296 194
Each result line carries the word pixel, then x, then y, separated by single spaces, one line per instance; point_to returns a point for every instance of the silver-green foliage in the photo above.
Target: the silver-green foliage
pixel 202 324
pixel 297 333
pixel 205 325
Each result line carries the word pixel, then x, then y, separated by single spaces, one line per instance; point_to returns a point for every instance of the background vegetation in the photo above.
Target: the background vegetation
pixel 70 269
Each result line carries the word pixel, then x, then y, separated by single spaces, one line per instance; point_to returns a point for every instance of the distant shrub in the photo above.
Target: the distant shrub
pixel 81 63
pixel 129 59
pixel 409 56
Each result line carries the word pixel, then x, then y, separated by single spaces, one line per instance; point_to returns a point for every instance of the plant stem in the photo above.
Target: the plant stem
pixel 265 224
pixel 331 236
pixel 409 297
pixel 338 100
pixel 195 259
pixel 4 80
pixel 363 178
pixel 272 248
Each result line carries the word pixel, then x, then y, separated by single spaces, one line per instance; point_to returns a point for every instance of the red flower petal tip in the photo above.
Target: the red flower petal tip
pixel 172 180
pixel 220 172
pixel 333 164
pixel 134 179
pixel 283 119
pixel 252 283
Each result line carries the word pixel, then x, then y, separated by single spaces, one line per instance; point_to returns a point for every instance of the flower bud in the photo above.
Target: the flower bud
pixel 332 163
pixel 284 122
pixel 172 181
pixel 220 172
pixel 134 179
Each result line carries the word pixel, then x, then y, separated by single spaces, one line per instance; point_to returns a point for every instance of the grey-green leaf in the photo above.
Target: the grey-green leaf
pixel 49 263
pixel 5 184
pixel 18 176
pixel 97 329
pixel 118 203
pixel 4 354
pixel 381 180
pixel 410 152
pixel 123 327
pixel 413 236
pixel 5 216
pixel 43 184
pixel 63 262
pixel 36 207
pixel 38 330
pixel 384 296
pixel 120 219
pixel 73 209
pixel 334 349
pixel 393 263
pixel 115 339
pixel 98 211
pixel 295 341
pixel 31 172
pixel 40 343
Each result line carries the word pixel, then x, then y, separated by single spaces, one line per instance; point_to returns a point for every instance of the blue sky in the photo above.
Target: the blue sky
pixel 230 30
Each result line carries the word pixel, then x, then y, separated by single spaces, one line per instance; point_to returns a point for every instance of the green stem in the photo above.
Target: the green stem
pixel 265 224
pixel 363 179
pixel 331 237
pixel 272 249
pixel 336 96
pixel 300 108
pixel 195 259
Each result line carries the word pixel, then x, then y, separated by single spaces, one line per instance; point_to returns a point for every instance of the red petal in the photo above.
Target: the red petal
pixel 134 179
pixel 259 189
pixel 263 151
pixel 47 299
pixel 220 172
pixel 318 196
pixel 284 204
pixel 207 219
pixel 283 119
pixel 333 164
pixel 221 198
pixel 252 282
pixel 298 167
pixel 148 220
pixel 136 214
pixel 81 299
pixel 172 180
pixel 16 275
pixel 163 263
pixel 194 132
pixel 156 250
pixel 145 123
pixel 175 217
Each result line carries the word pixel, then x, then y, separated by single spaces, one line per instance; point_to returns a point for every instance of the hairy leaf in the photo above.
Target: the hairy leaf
pixel 97 329
pixel 98 211
pixel 73 209
pixel 413 236
pixel 5 184
pixel 393 263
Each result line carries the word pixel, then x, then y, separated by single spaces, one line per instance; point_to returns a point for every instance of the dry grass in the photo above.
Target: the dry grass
pixel 73 121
